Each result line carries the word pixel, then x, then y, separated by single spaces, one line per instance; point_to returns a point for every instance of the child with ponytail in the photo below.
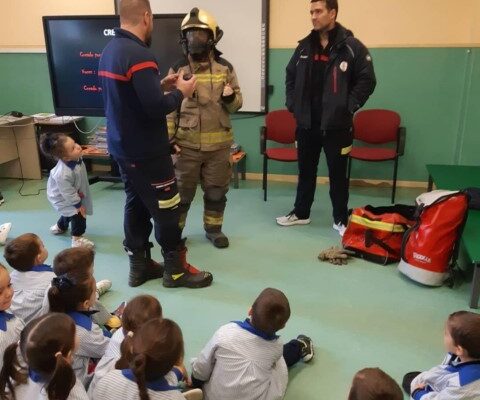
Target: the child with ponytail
pixel 48 344
pixel 73 294
pixel 138 311
pixel 67 187
pixel 150 366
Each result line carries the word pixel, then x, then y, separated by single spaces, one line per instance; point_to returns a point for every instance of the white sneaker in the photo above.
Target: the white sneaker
pixel 291 219
pixel 340 228
pixel 54 229
pixel 82 242
pixel 103 287
pixel 194 394
pixel 4 230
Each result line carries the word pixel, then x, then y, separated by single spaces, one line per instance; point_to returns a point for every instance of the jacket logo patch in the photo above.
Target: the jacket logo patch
pixel 369 58
pixel 343 66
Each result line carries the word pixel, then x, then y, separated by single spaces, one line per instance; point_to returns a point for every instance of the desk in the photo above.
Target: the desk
pixel 18 149
pixel 91 153
pixel 455 177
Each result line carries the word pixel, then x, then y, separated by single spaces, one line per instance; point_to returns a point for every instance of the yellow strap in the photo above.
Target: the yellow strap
pixel 346 150
pixel 379 225
pixel 170 202
pixel 209 220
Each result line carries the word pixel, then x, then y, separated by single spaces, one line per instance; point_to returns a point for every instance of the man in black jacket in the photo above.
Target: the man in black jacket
pixel 329 77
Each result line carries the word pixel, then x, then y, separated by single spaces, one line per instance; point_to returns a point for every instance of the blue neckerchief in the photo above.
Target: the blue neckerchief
pixel 35 376
pixel 73 164
pixel 84 319
pixel 4 317
pixel 41 268
pixel 158 385
pixel 250 328
pixel 468 372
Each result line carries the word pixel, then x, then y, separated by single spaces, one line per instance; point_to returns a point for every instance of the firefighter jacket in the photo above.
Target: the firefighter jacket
pixel 203 121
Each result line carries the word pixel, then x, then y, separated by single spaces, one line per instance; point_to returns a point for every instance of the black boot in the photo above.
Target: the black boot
pixel 218 238
pixel 179 273
pixel 142 267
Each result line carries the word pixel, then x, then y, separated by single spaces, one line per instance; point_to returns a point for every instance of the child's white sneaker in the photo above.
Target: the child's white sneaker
pixel 54 229
pixel 81 241
pixel 4 230
pixel 103 287
pixel 193 394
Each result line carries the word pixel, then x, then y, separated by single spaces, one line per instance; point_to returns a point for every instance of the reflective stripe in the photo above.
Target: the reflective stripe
pixel 346 150
pixel 209 220
pixel 177 276
pixel 170 202
pixel 379 225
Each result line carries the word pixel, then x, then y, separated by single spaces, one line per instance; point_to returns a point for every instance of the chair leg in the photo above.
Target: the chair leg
pixel 265 170
pixel 349 169
pixel 394 188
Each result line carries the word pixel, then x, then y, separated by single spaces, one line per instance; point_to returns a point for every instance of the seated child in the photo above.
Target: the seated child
pixel 82 259
pixel 47 343
pixel 247 360
pixel 73 294
pixel 374 384
pixel 138 311
pixel 4 231
pixel 459 376
pixel 10 326
pixel 68 189
pixel 26 254
pixel 150 370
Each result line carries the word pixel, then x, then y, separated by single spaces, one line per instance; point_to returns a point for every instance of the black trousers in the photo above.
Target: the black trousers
pixel 78 224
pixel 152 193
pixel 310 143
pixel 292 352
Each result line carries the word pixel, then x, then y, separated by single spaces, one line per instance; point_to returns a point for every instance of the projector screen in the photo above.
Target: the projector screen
pixel 244 43
pixel 74 46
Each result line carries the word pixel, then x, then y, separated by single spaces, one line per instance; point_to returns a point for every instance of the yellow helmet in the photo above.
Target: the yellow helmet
pixel 201 19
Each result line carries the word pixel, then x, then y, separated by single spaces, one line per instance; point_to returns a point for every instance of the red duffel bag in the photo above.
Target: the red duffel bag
pixel 430 247
pixel 376 233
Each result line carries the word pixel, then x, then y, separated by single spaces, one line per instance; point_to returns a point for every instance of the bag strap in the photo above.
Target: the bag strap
pixel 371 239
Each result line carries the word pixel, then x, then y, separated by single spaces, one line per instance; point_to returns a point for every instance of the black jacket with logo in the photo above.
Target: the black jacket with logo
pixel 349 81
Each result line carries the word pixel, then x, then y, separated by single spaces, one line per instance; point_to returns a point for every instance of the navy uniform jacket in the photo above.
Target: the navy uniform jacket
pixel 135 105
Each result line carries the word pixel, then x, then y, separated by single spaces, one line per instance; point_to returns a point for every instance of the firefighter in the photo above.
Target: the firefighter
pixel 201 127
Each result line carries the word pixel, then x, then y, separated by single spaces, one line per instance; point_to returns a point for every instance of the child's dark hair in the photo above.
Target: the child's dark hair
pixel 73 259
pixel 53 144
pixel 374 384
pixel 45 344
pixel 138 311
pixel 464 328
pixel 270 311
pixel 70 290
pixel 156 348
pixel 21 252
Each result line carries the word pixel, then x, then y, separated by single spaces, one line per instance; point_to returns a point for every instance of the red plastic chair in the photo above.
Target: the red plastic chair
pixel 378 127
pixel 279 127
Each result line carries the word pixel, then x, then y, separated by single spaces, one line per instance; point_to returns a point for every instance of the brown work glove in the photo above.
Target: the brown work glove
pixel 335 255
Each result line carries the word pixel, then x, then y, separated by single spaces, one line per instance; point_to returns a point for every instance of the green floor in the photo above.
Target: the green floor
pixel 358 315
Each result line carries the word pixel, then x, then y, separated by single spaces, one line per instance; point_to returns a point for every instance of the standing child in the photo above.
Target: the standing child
pixel 374 384
pixel 138 311
pixel 26 254
pixel 150 372
pixel 74 294
pixel 10 326
pixel 246 359
pixel 67 188
pixel 48 344
pixel 459 376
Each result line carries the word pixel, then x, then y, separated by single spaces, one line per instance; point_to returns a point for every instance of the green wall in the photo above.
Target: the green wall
pixel 435 90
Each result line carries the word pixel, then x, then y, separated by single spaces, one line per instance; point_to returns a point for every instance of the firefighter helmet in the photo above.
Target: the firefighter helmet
pixel 201 19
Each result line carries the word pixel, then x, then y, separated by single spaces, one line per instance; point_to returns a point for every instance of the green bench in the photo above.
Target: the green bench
pixel 455 177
